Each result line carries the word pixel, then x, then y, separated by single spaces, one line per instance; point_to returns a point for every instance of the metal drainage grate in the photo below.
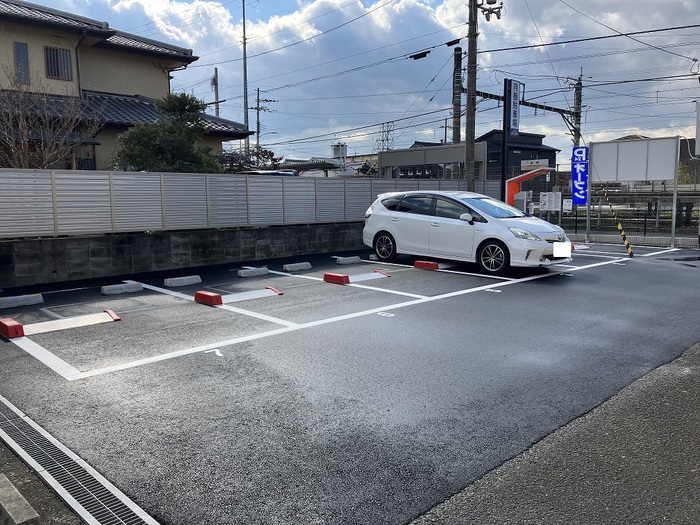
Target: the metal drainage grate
pixel 91 496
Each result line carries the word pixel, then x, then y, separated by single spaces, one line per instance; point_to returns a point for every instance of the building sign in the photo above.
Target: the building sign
pixel 550 201
pixel 513 106
pixel 579 175
pixel 531 164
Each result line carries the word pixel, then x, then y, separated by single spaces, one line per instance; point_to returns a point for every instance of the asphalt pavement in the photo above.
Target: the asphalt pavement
pixel 633 459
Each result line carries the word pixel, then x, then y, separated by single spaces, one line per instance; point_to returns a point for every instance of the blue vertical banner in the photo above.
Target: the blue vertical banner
pixel 579 175
pixel 512 105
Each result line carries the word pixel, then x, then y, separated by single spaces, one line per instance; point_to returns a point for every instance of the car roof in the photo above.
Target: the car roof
pixel 444 193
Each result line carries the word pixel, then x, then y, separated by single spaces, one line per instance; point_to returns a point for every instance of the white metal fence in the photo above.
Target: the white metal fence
pixel 39 203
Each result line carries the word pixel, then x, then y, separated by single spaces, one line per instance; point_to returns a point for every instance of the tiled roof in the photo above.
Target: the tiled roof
pixel 41 14
pixel 137 43
pixel 124 110
pixel 28 13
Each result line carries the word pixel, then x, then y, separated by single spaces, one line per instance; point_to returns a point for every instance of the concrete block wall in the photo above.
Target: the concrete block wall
pixel 40 261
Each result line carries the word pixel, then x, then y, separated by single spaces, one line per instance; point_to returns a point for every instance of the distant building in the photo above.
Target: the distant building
pixel 120 75
pixel 525 146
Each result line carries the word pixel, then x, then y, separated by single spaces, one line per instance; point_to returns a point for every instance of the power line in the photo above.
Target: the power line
pixel 590 39
pixel 322 33
pixel 627 34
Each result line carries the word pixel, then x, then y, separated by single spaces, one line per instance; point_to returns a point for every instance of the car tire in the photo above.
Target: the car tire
pixel 493 257
pixel 385 246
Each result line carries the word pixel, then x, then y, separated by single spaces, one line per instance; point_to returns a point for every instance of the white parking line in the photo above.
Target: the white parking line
pixel 354 285
pixel 241 311
pixel 307 277
pixel 72 374
pixel 385 290
pixel 443 270
pixel 596 255
pixel 499 277
pixel 55 363
pixel 661 252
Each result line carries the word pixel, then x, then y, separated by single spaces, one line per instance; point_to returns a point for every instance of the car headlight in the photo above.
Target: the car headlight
pixel 524 234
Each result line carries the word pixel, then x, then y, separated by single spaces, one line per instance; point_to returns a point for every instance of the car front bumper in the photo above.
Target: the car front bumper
pixel 525 253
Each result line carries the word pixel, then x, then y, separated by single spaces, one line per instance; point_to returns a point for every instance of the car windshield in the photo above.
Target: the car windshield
pixel 494 208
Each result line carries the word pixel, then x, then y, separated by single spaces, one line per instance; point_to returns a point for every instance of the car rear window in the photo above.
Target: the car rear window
pixel 417 204
pixel 390 203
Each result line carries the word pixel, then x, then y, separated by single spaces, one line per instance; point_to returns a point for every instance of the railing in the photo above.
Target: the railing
pixel 40 203
pixel 639 215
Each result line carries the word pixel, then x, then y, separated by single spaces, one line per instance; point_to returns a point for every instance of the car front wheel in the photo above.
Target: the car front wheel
pixel 385 247
pixel 493 257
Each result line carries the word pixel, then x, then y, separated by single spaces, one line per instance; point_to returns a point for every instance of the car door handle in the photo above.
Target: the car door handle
pixel 394 219
pixel 435 224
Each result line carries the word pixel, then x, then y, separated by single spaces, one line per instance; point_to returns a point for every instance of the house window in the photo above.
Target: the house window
pixel 21 63
pixel 58 63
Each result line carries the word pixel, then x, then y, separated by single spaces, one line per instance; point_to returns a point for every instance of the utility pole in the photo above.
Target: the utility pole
pixel 258 108
pixel 456 96
pixel 245 87
pixel 578 97
pixel 470 118
pixel 215 85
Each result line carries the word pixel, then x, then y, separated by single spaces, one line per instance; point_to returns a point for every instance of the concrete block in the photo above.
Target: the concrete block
pixel 182 281
pixel 208 298
pixel 348 260
pixel 426 265
pixel 14 509
pixel 295 267
pixel 21 300
pixel 11 329
pixel 249 271
pixel 116 289
pixel 336 278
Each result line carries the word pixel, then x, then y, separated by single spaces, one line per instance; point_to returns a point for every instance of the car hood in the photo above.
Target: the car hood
pixel 531 224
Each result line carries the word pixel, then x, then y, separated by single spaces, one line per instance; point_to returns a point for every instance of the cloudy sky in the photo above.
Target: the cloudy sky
pixel 339 70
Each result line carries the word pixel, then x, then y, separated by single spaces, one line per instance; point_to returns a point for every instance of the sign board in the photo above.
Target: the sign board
pixel 579 175
pixel 567 205
pixel 512 91
pixel 635 160
pixel 531 164
pixel 550 201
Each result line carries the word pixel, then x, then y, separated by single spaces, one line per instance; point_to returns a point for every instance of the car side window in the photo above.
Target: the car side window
pixel 418 204
pixel 449 209
pixel 390 203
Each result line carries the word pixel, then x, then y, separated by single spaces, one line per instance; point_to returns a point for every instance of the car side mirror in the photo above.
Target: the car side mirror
pixel 467 217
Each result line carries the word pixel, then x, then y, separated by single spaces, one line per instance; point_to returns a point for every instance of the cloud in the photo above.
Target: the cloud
pixel 339 69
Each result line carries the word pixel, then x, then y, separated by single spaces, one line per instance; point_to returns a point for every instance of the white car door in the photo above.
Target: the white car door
pixel 451 237
pixel 410 224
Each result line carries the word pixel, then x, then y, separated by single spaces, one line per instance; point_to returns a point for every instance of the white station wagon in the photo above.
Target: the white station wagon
pixel 462 226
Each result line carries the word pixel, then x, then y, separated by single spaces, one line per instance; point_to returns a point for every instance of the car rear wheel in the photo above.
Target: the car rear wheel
pixel 385 247
pixel 493 257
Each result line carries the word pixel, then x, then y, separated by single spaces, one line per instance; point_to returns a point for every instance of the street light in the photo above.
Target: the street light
pixel 470 118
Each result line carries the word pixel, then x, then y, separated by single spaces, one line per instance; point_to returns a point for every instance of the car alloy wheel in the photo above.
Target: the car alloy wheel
pixel 493 257
pixel 385 247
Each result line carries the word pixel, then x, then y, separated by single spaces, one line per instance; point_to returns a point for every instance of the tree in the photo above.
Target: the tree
pixel 171 144
pixel 39 129
pixel 264 158
pixel 233 161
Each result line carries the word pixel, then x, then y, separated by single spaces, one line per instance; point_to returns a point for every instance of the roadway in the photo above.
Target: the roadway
pixel 368 402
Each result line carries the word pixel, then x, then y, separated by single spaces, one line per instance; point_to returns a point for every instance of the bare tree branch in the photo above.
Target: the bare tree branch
pixel 39 129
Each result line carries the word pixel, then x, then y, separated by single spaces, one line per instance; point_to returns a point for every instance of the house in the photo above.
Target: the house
pixel 114 74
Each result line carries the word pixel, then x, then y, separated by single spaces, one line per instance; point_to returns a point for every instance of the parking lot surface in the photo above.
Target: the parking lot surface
pixel 300 400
